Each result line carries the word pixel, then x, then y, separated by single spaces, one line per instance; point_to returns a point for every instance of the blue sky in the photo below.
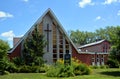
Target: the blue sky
pixel 17 16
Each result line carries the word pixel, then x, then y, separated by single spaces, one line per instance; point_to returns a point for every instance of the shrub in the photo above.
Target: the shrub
pixel 32 69
pixel 113 63
pixel 61 70
pixel 104 67
pixel 53 72
pixel 99 67
pixel 94 67
pixel 25 69
pixel 11 67
pixel 18 61
pixel 66 71
pixel 6 65
pixel 6 73
pixel 82 69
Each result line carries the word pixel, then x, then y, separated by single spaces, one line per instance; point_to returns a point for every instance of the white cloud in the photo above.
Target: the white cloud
pixel 25 0
pixel 110 1
pixel 5 15
pixel 118 13
pixel 98 18
pixel 9 35
pixel 84 3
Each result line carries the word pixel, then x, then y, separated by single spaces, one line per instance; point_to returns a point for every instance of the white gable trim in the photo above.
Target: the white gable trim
pixel 90 44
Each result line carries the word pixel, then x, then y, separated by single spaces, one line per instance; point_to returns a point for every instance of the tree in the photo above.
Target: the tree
pixel 34 48
pixel 4 47
pixel 115 40
pixel 81 37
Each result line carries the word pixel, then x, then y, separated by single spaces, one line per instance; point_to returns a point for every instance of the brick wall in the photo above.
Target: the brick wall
pixel 16 52
pixel 97 47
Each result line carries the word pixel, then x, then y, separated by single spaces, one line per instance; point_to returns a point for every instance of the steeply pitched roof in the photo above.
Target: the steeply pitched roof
pixel 39 21
pixel 90 44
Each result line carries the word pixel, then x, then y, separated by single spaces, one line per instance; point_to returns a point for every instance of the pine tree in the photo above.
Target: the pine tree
pixel 34 48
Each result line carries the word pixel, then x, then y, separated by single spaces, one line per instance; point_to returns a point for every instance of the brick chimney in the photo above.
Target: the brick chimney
pixel 15 40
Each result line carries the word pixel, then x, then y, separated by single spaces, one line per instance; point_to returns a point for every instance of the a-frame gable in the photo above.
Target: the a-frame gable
pixel 55 24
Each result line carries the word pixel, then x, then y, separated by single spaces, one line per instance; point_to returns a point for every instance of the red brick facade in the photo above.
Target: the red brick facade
pixel 94 54
pixel 16 52
pixel 101 47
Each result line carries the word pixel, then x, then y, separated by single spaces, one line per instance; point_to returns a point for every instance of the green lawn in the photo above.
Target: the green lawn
pixel 96 74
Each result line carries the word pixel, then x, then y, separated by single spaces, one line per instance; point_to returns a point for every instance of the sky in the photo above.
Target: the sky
pixel 17 16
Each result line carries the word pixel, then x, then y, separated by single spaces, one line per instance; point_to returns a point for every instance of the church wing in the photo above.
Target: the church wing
pixel 58 43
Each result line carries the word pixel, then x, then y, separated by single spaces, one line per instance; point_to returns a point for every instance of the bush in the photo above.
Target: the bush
pixel 11 67
pixel 6 73
pixel 104 66
pixel 113 63
pixel 94 67
pixel 99 67
pixel 66 71
pixel 18 61
pixel 53 72
pixel 61 70
pixel 6 65
pixel 25 69
pixel 32 69
pixel 82 69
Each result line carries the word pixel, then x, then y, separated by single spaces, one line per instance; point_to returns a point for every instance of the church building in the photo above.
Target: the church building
pixel 58 42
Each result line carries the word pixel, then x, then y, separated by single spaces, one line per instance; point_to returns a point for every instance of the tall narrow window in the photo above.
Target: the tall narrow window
pixel 48 31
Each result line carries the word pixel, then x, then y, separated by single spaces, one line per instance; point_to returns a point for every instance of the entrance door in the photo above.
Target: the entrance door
pixel 98 62
pixel 102 61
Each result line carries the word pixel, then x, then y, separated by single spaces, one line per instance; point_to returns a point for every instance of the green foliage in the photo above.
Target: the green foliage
pixel 11 67
pixel 113 63
pixel 81 37
pixel 4 62
pixel 94 67
pixel 38 61
pixel 6 65
pixel 4 73
pixel 115 52
pixel 66 71
pixel 34 48
pixel 25 69
pixel 100 67
pixel 61 70
pixel 18 61
pixel 81 69
pixel 4 47
pixel 32 69
pixel 111 73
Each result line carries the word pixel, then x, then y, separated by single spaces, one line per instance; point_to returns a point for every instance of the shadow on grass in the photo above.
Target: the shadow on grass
pixel 111 73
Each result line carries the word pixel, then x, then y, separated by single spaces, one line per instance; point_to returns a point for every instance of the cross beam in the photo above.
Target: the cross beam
pixel 47 30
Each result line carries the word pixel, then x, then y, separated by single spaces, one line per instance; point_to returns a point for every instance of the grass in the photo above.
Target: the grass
pixel 96 74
